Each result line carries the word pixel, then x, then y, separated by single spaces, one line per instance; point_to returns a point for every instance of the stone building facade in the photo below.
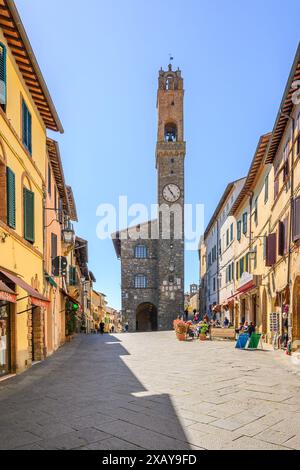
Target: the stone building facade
pixel 152 254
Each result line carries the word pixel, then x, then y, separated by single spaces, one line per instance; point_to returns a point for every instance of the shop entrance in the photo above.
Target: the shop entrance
pixel 146 317
pixel 5 338
pixel 37 334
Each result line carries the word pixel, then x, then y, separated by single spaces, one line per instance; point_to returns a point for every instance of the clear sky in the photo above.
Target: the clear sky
pixel 101 59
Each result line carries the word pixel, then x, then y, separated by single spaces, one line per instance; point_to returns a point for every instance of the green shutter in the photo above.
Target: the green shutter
pixel 28 215
pixel 11 198
pixel 26 127
pixel 2 74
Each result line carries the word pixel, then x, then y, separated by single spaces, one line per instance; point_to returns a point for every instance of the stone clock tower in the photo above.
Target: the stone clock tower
pixel 152 266
pixel 170 154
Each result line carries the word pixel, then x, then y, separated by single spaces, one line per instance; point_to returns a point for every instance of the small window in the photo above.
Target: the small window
pixel 231 232
pixel 140 281
pixel 26 128
pixel 140 251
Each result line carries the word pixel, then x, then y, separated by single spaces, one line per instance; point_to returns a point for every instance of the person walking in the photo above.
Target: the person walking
pixel 186 314
pixel 102 325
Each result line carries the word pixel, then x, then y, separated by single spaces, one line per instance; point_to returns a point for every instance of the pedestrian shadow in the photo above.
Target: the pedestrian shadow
pixel 85 396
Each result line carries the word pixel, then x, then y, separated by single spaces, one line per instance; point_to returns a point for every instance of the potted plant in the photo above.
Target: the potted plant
pixel 203 331
pixel 181 330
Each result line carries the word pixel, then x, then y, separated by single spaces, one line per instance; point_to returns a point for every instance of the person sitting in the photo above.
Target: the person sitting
pixel 226 322
pixel 246 327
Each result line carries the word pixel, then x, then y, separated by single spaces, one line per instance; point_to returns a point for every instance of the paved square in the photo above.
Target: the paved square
pixel 150 391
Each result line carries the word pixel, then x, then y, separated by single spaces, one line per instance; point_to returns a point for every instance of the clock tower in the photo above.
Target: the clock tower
pixel 170 154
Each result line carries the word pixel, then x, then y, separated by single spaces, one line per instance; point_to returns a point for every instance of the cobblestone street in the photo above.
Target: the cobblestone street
pixel 147 390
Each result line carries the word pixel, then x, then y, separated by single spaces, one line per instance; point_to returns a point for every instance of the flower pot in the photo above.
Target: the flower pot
pixel 181 336
pixel 202 337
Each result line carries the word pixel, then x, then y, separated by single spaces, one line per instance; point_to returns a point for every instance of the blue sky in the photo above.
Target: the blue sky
pixel 101 59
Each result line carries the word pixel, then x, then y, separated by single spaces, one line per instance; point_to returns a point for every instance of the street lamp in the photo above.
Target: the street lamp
pixel 68 235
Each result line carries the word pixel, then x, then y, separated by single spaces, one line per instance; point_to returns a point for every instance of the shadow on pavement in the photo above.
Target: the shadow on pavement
pixel 84 396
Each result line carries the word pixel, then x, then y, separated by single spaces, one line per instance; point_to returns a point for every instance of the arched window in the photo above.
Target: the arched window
pixel 140 251
pixel 140 281
pixel 170 132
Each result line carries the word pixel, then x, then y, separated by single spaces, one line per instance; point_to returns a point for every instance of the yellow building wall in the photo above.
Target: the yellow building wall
pixel 16 254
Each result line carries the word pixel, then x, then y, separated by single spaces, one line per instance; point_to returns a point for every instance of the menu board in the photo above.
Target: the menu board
pixel 274 321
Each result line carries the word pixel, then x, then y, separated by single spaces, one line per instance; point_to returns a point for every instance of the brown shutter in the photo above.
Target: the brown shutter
pixel 296 221
pixel 286 231
pixel 281 238
pixel 271 250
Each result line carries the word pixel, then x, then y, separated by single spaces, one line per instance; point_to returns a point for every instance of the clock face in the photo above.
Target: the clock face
pixel 171 192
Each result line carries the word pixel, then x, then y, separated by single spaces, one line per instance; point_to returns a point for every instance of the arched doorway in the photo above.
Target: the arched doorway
pixel 146 317
pixel 296 311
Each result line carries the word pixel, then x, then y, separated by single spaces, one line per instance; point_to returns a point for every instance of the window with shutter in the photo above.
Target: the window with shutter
pixel 255 212
pixel 28 197
pixel 286 231
pixel 2 76
pixel 271 250
pixel 26 127
pixel 11 198
pixel 296 221
pixel 241 266
pixel 276 187
pixel 239 230
pixel 72 276
pixel 231 232
pixel 281 238
pixel 266 188
pixel 3 191
pixel 245 220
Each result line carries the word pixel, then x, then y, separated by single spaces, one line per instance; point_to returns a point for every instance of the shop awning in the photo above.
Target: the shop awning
pixel 7 294
pixel 242 290
pixel 216 308
pixel 35 297
pixel 246 287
